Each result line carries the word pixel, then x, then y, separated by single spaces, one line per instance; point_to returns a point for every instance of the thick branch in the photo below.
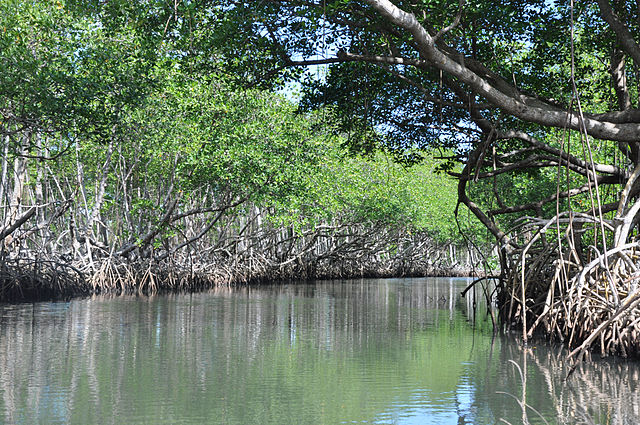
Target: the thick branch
pixel 17 223
pixel 619 117
pixel 541 113
pixel 627 42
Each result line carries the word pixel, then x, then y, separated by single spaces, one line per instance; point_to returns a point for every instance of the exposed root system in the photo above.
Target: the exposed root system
pixel 37 279
pixel 588 301
pixel 27 279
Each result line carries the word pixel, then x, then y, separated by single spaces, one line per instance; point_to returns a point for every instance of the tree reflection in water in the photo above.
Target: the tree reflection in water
pixel 364 351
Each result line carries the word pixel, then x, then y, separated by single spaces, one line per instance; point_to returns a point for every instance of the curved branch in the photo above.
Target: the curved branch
pixel 500 236
pixel 539 113
pixel 627 42
pixel 601 168
pixel 538 204
pixel 455 23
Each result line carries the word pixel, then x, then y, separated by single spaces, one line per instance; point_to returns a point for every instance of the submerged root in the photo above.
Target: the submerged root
pixel 601 306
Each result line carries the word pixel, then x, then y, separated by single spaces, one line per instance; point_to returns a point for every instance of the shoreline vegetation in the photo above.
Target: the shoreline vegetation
pixel 38 279
pixel 160 203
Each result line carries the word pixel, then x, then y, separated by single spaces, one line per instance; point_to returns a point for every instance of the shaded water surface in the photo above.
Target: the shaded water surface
pixel 394 351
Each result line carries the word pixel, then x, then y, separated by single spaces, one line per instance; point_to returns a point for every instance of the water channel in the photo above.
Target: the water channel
pixel 373 351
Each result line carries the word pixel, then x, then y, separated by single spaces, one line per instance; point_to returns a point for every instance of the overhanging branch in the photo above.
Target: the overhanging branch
pixel 537 112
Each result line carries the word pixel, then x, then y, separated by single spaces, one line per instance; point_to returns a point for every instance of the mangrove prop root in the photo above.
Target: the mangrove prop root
pixel 22 278
pixel 593 306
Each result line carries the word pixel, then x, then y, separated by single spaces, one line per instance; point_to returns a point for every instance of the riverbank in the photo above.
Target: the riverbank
pixel 39 279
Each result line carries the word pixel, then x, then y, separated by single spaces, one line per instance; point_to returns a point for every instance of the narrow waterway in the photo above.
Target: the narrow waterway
pixel 377 351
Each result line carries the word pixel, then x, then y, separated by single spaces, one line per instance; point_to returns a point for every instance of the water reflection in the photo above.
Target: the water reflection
pixel 366 351
pixel 602 392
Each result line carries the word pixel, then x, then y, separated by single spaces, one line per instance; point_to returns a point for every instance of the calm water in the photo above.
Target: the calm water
pixel 394 351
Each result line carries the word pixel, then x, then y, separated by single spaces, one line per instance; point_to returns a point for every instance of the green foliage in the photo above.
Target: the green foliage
pixel 378 190
pixel 140 110
pixel 34 60
pixel 62 71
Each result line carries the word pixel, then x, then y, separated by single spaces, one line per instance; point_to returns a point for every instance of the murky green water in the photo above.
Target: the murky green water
pixel 395 351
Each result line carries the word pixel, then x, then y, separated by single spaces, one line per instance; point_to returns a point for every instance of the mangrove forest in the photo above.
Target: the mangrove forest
pixel 183 145
pixel 134 162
